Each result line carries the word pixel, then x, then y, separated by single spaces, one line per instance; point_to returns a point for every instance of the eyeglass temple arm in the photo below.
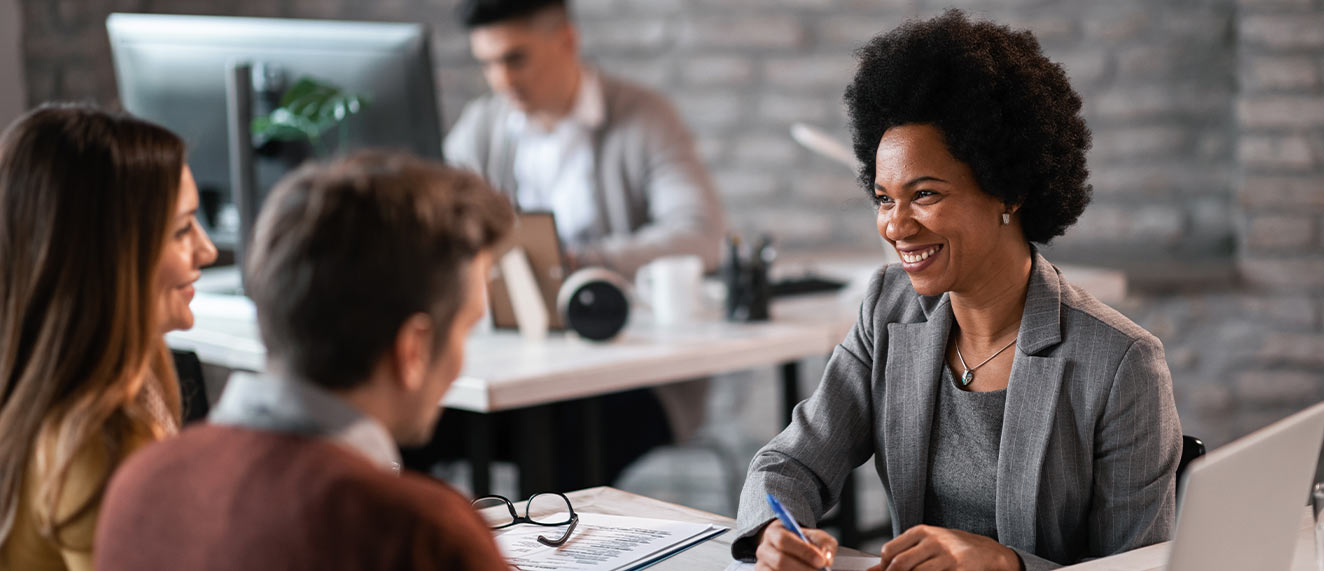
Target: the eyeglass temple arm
pixel 574 521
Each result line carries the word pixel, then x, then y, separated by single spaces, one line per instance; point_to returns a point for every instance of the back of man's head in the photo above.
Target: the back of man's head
pixel 344 253
pixel 478 13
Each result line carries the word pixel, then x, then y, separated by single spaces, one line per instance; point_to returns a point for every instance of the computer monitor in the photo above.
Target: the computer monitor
pixel 173 70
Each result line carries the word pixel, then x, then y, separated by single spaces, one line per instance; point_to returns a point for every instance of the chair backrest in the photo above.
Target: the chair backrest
pixel 1191 448
pixel 192 389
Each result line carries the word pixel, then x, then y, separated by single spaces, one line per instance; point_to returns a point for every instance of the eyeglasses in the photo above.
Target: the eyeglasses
pixel 549 509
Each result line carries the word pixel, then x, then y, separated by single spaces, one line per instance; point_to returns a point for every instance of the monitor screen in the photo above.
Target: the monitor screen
pixel 172 70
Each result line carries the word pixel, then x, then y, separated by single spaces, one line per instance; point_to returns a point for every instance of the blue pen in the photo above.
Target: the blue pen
pixel 787 520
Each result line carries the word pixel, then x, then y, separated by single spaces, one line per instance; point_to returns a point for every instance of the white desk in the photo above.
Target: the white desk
pixel 714 553
pixel 503 371
pixel 1155 557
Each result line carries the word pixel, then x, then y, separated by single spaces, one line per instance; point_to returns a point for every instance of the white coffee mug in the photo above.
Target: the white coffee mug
pixel 671 287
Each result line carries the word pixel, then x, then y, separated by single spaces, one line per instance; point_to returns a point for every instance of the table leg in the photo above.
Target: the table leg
pixel 790 388
pixel 595 468
pixel 848 514
pixel 534 450
pixel 479 436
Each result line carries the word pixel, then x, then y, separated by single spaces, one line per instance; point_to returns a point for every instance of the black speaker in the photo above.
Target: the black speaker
pixel 593 303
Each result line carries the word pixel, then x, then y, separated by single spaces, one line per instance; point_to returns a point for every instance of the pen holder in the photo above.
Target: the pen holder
pixel 747 287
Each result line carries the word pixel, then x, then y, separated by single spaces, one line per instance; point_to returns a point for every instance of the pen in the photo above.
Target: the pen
pixel 787 520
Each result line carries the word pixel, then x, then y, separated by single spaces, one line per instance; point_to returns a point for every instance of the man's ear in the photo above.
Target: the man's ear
pixel 412 352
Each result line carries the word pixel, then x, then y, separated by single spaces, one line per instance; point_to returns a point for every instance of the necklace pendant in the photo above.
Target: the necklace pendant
pixel 966 377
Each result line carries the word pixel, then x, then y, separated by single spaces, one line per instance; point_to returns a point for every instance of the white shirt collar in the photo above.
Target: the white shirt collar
pixel 278 404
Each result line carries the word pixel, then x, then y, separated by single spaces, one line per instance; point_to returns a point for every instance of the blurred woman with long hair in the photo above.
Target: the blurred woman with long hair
pixel 99 248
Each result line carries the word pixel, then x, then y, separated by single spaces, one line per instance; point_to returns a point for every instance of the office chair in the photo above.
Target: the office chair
pixel 192 389
pixel 1191 448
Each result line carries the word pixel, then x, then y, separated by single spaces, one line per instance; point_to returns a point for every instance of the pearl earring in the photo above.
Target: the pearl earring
pixel 1006 219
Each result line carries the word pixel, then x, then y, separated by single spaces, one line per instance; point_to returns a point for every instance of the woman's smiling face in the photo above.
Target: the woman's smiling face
pixel 945 228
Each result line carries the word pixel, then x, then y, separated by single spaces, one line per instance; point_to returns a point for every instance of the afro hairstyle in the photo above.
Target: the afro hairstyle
pixel 1003 108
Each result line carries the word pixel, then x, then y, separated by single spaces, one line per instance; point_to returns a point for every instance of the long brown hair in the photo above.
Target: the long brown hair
pixel 85 200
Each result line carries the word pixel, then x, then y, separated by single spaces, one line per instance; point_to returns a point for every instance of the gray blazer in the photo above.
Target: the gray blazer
pixel 653 195
pixel 1090 439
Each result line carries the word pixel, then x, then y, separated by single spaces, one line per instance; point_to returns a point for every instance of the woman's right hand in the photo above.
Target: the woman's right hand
pixel 780 550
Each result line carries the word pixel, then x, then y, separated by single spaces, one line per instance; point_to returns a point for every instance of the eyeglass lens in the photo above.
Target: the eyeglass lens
pixel 549 509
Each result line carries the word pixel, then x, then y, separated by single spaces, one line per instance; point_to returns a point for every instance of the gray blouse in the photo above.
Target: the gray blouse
pixel 963 459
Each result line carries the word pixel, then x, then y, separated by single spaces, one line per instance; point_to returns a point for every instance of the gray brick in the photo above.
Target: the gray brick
pixel 791 227
pixel 1278 73
pixel 1166 62
pixel 1170 178
pixel 785 109
pixel 1284 31
pixel 1209 25
pixel 825 72
pixel 80 83
pixel 1291 273
pixel 1141 103
pixel 626 34
pixel 1269 231
pixel 589 8
pixel 747 184
pixel 1153 223
pixel 1251 6
pixel 710 109
pixel 717 70
pixel 1115 26
pixel 766 149
pixel 1046 28
pixel 1280 191
pixel 1083 67
pixel 1281 111
pixel 1148 141
pixel 1294 348
pixel 711 149
pixel 642 69
pixel 1276 152
pixel 854 30
pixel 832 186
pixel 754 32
pixel 1283 311
pixel 1209 398
pixel 1278 387
pixel 653 6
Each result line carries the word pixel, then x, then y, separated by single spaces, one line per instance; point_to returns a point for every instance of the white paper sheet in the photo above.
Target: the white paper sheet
pixel 601 543
pixel 842 563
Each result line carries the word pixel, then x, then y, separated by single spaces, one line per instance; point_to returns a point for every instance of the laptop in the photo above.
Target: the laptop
pixel 1240 505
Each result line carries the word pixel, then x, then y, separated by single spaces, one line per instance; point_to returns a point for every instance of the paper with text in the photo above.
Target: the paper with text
pixel 841 563
pixel 602 542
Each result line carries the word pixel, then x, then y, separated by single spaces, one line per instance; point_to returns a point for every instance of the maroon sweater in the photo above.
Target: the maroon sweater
pixel 220 498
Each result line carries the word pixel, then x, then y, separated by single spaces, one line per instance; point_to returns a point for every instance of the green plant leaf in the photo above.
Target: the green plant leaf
pixel 308 109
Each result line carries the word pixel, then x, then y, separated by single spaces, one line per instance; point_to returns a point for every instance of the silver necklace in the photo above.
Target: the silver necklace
pixel 969 375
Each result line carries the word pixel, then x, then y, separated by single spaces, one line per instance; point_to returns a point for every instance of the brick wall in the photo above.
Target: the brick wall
pixel 1208 120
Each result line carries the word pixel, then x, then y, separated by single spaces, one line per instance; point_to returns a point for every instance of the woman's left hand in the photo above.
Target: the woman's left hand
pixel 930 548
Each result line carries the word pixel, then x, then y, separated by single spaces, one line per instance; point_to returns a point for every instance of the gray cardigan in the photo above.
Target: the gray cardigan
pixel 1090 439
pixel 653 196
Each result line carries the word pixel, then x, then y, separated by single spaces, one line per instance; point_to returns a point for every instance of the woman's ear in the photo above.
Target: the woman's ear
pixel 412 352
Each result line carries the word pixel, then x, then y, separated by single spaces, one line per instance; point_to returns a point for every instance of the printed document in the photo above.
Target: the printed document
pixel 602 543
pixel 841 563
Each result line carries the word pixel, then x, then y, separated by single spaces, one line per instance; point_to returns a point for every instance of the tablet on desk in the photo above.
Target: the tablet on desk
pixel 535 233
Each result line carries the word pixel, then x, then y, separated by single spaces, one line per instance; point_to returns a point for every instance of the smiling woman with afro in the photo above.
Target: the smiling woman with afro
pixel 1015 421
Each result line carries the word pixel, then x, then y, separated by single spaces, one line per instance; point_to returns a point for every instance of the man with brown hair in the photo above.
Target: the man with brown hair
pixel 367 274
